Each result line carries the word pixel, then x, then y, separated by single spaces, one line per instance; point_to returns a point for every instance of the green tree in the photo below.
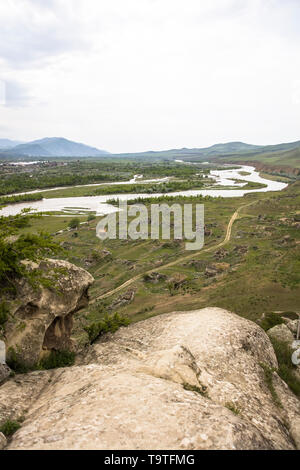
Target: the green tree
pixel 74 223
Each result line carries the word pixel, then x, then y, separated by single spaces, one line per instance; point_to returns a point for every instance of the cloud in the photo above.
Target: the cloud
pixel 154 74
pixel 34 31
pixel 16 95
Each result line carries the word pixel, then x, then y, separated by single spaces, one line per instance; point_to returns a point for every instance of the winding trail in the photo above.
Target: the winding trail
pixel 179 260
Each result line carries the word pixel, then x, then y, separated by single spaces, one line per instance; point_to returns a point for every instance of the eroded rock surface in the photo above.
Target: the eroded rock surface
pixel 41 319
pixel 190 380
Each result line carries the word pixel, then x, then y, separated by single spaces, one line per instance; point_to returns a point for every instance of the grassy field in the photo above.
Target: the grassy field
pixel 258 271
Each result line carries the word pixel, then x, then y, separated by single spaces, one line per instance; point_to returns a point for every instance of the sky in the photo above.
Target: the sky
pixel 135 75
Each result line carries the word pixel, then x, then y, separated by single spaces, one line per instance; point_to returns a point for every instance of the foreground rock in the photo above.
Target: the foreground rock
pixel 42 319
pixel 190 380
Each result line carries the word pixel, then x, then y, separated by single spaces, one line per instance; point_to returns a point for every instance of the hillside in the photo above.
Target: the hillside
pixel 53 147
pixel 281 154
pixel 7 143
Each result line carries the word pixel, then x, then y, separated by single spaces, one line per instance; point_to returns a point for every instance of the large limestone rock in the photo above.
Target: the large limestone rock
pixel 190 380
pixel 281 333
pixel 42 318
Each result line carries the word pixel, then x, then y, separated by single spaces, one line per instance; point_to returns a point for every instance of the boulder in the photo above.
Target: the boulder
pixel 281 333
pixel 216 268
pixel 293 326
pixel 41 318
pixel 123 299
pixel 183 380
pixel 154 277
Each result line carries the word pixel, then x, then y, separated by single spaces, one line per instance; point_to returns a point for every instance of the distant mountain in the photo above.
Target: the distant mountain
pixel 53 147
pixel 230 150
pixel 7 143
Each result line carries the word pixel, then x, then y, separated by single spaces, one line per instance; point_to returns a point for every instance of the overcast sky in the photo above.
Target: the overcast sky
pixel 133 75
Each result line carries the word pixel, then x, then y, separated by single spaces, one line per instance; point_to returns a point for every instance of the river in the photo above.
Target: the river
pixel 98 204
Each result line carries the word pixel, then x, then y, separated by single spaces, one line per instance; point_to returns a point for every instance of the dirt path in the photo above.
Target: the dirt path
pixel 177 261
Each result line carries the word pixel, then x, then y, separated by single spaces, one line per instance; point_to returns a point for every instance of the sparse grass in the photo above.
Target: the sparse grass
pixel 232 407
pixel 268 373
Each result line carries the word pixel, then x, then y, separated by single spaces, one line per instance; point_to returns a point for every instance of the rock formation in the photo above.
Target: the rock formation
pixel 184 380
pixel 41 319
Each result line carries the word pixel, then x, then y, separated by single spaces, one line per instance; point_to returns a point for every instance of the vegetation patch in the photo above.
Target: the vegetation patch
pixel 109 324
pixel 268 373
pixel 4 313
pixel 286 368
pixel 233 408
pixel 270 320
pixel 57 359
pixel 9 428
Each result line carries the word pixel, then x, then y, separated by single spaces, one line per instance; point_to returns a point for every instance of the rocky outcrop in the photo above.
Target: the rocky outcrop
pixel 184 380
pixel 41 318
pixel 123 299
pixel 216 268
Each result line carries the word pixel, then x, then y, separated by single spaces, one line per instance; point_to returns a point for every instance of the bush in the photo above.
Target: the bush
pixel 74 223
pixel 9 428
pixel 91 217
pixel 271 319
pixel 4 312
pixel 16 247
pixel 14 363
pixel 110 323
pixel 57 359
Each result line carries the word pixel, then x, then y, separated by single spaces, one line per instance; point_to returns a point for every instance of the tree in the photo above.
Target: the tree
pixel 15 248
pixel 74 224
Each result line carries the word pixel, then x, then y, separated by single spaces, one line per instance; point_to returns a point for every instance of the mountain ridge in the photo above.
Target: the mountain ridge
pixel 52 147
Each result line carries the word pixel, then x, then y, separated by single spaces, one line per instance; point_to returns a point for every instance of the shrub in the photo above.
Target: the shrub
pixel 57 359
pixel 91 217
pixel 74 223
pixel 14 362
pixel 271 319
pixel 110 323
pixel 15 248
pixel 4 312
pixel 9 428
